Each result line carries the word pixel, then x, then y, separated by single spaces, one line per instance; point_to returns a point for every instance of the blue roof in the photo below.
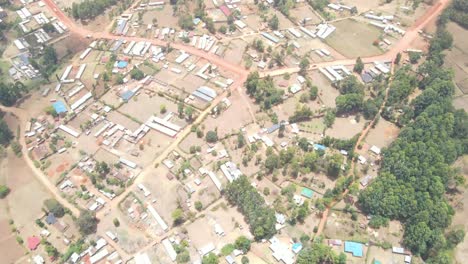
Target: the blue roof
pixel 354 248
pixel 127 95
pixel 321 147
pixel 196 20
pixel 273 128
pixel 207 91
pixel 122 64
pixel 50 219
pixel 59 107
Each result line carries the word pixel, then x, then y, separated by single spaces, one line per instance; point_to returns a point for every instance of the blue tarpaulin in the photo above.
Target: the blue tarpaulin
pixel 122 64
pixel 59 107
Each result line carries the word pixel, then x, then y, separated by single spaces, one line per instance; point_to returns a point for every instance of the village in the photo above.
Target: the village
pixel 148 125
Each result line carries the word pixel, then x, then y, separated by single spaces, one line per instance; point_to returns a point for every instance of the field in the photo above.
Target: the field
pixel 345 128
pixel 353 39
pixel 383 134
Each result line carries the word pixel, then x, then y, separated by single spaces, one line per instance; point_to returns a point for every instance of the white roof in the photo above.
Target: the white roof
pixel 375 149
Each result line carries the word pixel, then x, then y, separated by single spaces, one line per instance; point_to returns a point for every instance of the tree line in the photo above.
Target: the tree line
pixel 89 9
pixel 251 204
pixel 416 172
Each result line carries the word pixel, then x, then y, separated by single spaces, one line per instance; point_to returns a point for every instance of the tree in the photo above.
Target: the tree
pixel 222 29
pixel 53 206
pixel 180 109
pixel 136 74
pixel 304 66
pixel 10 93
pixel 319 253
pixel 4 191
pixel 102 169
pixel 189 112
pixel 162 109
pixel 359 66
pixel 210 25
pixel 313 92
pixel 398 58
pixel 329 118
pixel 87 223
pixel 243 243
pixel 210 259
pixel 281 130
pixel 245 260
pixel 251 204
pixel 334 163
pixel 271 163
pixel 178 216
pixel 240 140
pixel 302 113
pixel 5 133
pixel 414 57
pixel 211 136
pixel 116 222
pixel 186 22
pixel 273 23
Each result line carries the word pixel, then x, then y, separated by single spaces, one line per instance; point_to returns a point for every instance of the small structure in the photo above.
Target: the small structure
pixel 33 242
pixel 355 248
pixel 306 192
pixel 59 107
pixel 50 219
pixel 296 247
pixel 122 64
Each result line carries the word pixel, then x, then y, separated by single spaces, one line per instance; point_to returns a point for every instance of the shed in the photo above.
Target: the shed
pixel 355 248
pixel 319 147
pixel 59 107
pixel 306 192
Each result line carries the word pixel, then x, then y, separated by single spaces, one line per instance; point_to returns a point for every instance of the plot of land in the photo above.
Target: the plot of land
pixel 354 39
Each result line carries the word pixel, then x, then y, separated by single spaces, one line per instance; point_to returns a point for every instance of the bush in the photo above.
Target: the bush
pixel 116 222
pixel 243 243
pixel 198 205
pixel 4 191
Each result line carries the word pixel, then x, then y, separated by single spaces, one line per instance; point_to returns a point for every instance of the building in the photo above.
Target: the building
pixel 354 248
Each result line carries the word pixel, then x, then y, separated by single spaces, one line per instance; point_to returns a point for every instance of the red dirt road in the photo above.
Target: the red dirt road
pixel 401 46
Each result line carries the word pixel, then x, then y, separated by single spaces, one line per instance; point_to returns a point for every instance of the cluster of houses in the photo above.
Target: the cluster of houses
pixel 31 26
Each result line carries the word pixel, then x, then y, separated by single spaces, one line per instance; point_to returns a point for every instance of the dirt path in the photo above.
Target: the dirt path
pixel 23 118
